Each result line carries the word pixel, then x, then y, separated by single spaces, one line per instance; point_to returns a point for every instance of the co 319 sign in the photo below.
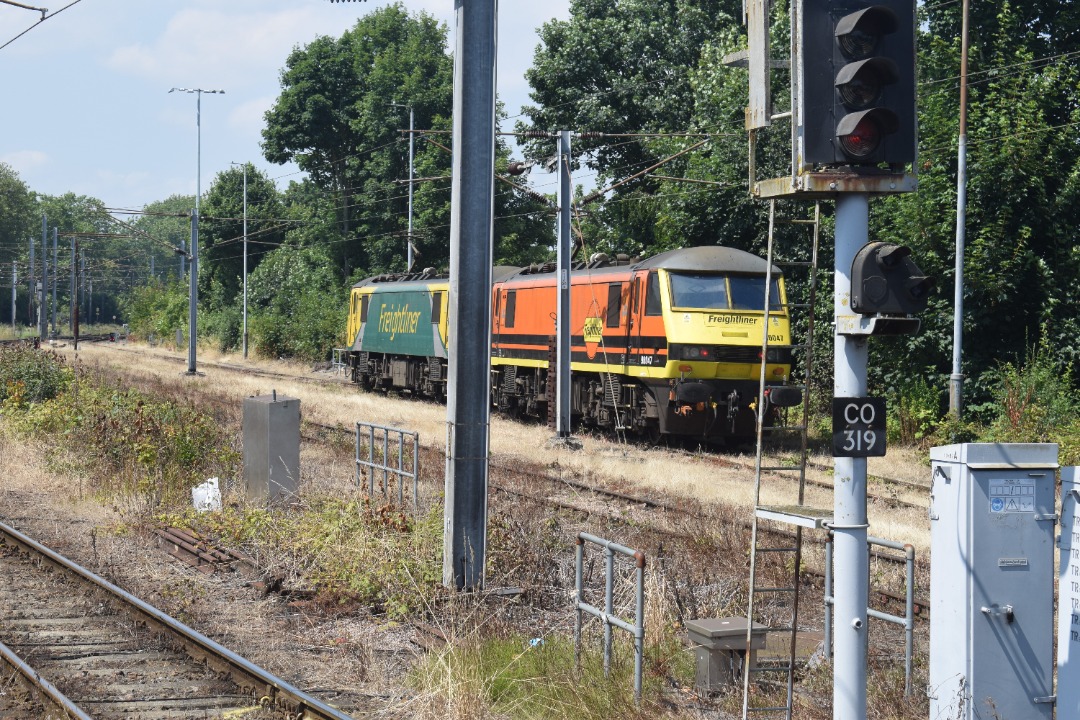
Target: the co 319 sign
pixel 858 427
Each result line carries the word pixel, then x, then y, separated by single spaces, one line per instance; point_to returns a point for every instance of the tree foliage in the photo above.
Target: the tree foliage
pixel 221 228
pixel 339 117
pixel 1023 159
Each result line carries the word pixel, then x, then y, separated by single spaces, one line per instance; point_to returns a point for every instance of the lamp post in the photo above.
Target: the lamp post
pixel 412 136
pixel 193 300
pixel 245 334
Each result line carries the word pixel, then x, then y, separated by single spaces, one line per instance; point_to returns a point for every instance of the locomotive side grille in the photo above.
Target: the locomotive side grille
pixel 510 379
pixel 612 389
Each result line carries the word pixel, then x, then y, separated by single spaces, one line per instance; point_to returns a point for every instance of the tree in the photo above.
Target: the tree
pixel 163 228
pixel 298 304
pixel 623 67
pixel 221 228
pixel 17 225
pixel 16 214
pixel 336 118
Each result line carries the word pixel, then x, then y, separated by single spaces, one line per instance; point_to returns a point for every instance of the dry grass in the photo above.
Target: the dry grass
pixel 675 474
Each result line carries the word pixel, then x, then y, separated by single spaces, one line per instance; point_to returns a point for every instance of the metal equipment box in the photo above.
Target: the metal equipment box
pixel 1068 649
pixel 720 646
pixel 992 522
pixel 271 447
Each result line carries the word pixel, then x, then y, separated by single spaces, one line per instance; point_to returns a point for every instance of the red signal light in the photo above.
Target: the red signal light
pixel 860 133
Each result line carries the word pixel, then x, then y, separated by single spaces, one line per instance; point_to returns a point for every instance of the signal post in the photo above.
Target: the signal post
pixel 853 135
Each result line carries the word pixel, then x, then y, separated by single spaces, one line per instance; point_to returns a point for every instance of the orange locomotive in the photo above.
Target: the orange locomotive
pixel 669 345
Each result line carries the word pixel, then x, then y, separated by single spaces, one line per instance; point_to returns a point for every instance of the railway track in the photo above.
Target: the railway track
pixel 88 649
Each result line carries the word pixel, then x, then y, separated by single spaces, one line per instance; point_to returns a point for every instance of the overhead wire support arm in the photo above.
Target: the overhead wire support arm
pixel 600 193
pixel 43 11
pixel 45 15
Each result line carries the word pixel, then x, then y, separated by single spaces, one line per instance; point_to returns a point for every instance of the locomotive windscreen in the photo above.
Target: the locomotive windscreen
pixel 721 292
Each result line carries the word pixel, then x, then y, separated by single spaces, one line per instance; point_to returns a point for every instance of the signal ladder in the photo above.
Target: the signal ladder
pixel 781 523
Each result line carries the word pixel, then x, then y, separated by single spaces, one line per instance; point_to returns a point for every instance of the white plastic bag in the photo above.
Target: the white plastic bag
pixel 206 496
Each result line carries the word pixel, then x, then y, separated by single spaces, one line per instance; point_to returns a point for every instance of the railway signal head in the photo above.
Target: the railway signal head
pixel 857 95
pixel 886 281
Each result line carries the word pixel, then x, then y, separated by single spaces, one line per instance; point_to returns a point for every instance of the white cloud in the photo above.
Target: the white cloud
pixel 25 160
pixel 214 48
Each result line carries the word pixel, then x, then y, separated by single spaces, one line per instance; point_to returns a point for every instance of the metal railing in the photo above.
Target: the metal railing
pixel 637 628
pixel 337 363
pixel 907 621
pixel 383 459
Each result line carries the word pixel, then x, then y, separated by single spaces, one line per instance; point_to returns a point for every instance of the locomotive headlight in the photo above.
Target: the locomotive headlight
pixel 692 352
pixel 777 355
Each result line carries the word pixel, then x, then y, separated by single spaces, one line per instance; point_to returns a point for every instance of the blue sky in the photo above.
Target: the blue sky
pixel 86 102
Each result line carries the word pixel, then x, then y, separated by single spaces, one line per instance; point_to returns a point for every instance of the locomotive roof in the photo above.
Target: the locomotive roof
pixel 707 257
pixel 425 277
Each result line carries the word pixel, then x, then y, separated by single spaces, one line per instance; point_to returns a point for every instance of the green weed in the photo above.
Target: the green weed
pixel 352 552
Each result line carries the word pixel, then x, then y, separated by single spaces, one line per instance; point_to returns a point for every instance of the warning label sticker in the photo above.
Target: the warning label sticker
pixel 1012 496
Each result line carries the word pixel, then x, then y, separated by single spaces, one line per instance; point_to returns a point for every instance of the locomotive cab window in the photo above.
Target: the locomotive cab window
pixel 436 307
pixel 698 291
pixel 652 296
pixel 511 306
pixel 363 307
pixel 614 304
pixel 748 293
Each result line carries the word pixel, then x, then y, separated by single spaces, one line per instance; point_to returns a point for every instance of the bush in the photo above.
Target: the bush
pixel 136 445
pixel 914 411
pixel 158 308
pixel 1034 400
pixel 31 376
pixel 297 307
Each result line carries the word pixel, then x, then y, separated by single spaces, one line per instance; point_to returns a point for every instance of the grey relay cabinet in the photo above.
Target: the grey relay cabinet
pixel 271 447
pixel 992 525
pixel 1068 649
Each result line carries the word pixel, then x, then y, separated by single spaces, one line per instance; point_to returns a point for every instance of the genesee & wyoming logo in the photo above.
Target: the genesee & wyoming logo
pixel 396 320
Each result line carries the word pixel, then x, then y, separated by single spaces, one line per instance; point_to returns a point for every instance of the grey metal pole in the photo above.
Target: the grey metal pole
pixel 244 332
pixel 609 604
pixel 956 380
pixel 33 288
pixel 412 139
pixel 193 300
pixel 245 338
pixel 75 300
pixel 14 294
pixel 851 574
pixel 56 268
pixel 193 293
pixel 73 303
pixel 471 231
pixel 562 399
pixel 43 303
